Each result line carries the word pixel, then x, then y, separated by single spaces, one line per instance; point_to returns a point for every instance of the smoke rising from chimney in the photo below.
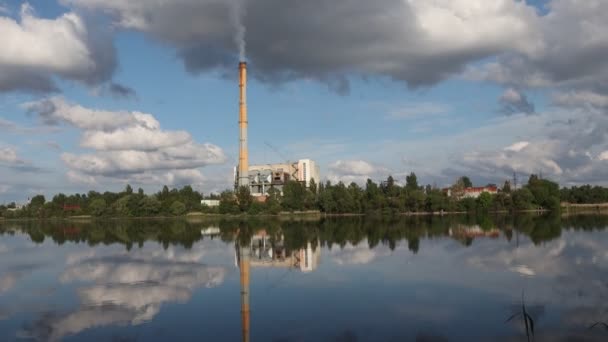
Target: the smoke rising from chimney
pixel 237 15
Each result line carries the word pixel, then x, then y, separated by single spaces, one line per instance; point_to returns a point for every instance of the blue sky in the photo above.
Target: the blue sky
pixel 441 88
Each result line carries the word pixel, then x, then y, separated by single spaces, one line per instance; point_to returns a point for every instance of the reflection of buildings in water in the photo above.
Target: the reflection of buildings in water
pixel 461 231
pixel 211 231
pixel 267 252
pixel 264 252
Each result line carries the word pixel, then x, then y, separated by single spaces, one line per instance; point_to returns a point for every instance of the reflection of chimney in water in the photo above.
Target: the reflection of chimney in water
pixel 243 169
pixel 244 253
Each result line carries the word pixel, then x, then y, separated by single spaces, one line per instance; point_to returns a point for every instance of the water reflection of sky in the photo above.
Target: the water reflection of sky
pixel 445 291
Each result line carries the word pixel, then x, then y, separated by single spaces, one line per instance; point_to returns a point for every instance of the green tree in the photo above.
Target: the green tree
pixel 228 203
pixel 436 201
pixel 502 201
pixel 343 199
pixel 128 189
pixel 546 193
pixel 273 202
pixel 121 207
pixel 98 207
pixel 37 201
pixel 411 182
pixel 522 199
pixel 149 206
pixel 506 188
pixel 178 208
pixel 326 198
pixel 389 187
pixel 414 201
pixel 244 198
pixel 256 208
pixel 374 200
pixel 467 204
pixel 457 188
pixel 466 181
pixel 484 201
pixel 312 186
pixel 294 195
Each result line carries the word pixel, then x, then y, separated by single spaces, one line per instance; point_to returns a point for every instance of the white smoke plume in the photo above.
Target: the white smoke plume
pixel 237 15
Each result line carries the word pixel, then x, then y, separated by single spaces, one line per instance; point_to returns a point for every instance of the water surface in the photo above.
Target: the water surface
pixel 414 279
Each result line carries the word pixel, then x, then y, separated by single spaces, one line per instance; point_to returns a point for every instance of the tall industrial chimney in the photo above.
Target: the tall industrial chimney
pixel 243 152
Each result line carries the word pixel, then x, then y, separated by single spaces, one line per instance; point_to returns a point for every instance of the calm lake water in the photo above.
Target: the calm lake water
pixel 415 279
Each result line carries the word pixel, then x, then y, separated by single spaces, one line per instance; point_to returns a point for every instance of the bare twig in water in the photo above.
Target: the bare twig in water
pixel 600 324
pixel 528 320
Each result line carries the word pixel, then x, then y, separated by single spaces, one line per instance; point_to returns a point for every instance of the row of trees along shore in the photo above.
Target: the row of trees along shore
pixel 386 198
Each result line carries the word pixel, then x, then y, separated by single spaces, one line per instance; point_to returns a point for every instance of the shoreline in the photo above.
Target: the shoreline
pixel 582 210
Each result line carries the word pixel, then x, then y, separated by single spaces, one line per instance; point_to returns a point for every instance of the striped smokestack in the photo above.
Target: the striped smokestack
pixel 243 151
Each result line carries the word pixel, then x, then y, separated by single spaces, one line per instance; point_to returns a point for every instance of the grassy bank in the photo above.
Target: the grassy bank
pixel 573 208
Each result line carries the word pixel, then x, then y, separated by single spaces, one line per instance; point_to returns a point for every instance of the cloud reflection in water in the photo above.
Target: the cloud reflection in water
pixel 128 289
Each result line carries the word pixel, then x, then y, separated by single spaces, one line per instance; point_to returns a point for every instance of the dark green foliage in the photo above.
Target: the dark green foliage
pixel 149 206
pixel 387 198
pixel 126 203
pixel 411 182
pixel 484 201
pixel 436 201
pixel 466 181
pixel 98 207
pixel 506 188
pixel 244 198
pixel 228 203
pixel 585 194
pixel 178 208
pixel 294 196
pixel 313 186
pixel 256 208
pixel 467 204
pixel 273 202
pixel 522 199
pixel 545 192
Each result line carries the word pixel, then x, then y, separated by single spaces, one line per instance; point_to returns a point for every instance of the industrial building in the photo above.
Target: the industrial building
pixel 261 178
pixel 210 202
pixel 264 177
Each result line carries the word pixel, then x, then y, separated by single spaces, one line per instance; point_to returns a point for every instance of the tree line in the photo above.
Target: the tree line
pixel 127 203
pixel 384 198
pixel 388 197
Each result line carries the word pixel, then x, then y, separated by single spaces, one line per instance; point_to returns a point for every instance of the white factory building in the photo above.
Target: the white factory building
pixel 264 177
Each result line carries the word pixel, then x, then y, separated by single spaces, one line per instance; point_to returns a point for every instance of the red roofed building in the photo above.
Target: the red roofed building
pixel 477 191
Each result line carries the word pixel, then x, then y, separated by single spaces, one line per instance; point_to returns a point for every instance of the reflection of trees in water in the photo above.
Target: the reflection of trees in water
pixel 297 233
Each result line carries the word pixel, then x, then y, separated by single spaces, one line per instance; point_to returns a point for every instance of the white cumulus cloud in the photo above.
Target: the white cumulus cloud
pixel 8 155
pixel 128 146
pixel 36 49
pixel 517 147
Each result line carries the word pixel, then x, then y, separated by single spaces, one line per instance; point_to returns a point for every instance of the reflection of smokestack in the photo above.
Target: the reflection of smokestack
pixel 243 152
pixel 244 268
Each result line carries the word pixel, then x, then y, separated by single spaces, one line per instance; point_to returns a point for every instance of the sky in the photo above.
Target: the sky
pixel 97 94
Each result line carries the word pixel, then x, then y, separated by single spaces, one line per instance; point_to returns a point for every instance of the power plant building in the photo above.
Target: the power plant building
pixel 264 177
